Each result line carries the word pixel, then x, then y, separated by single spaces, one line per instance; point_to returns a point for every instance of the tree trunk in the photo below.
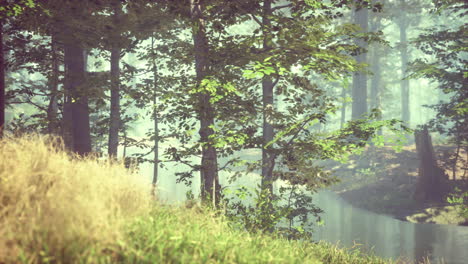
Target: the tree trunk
pixel 375 64
pixel 268 161
pixel 75 73
pixel 52 110
pixel 375 89
pixel 431 179
pixel 343 107
pixel 67 119
pixel 2 82
pixel 404 83
pixel 156 123
pixel 114 121
pixel 359 91
pixel 210 188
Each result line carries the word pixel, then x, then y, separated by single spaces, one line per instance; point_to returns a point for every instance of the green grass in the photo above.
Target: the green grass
pixel 59 209
pixel 179 235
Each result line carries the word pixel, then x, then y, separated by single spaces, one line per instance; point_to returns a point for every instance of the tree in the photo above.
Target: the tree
pixel 75 72
pixel 431 184
pixel 445 65
pixel 268 161
pixel 209 163
pixel 114 120
pixel 359 90
pixel 403 23
pixel 8 10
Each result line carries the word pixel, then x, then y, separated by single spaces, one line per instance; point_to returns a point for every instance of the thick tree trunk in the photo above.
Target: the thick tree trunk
pixel 210 189
pixel 114 121
pixel 268 161
pixel 2 82
pixel 75 73
pixel 431 179
pixel 67 119
pixel 359 91
pixel 404 83
pixel 52 109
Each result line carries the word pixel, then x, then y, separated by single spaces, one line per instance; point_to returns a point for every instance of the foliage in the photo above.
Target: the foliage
pixel 460 200
pixel 257 211
pixel 15 8
pixel 445 64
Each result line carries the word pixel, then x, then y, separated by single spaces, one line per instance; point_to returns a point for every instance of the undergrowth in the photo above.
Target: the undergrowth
pixel 56 208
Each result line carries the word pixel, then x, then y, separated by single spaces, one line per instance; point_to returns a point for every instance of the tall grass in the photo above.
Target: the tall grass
pixel 56 208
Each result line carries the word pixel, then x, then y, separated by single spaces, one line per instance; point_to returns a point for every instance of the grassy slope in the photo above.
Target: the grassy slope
pixel 57 210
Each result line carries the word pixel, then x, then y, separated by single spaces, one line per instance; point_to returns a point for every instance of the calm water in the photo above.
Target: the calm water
pixel 389 237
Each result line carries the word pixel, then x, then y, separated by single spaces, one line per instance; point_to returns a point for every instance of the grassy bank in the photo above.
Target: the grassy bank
pixel 55 209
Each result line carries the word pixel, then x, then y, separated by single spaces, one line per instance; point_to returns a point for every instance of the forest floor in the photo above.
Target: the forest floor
pixel 382 180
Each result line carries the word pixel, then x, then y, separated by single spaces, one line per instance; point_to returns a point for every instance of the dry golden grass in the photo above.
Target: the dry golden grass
pixel 51 202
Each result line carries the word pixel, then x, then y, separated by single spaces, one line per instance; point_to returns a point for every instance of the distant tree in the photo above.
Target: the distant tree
pixel 359 90
pixel 446 65
pixel 406 14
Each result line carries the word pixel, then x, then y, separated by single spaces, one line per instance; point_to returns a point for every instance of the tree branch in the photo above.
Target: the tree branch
pixel 252 15
pixel 280 7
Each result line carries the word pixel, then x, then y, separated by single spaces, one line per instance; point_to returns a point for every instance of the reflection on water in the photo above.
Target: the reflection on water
pixel 389 237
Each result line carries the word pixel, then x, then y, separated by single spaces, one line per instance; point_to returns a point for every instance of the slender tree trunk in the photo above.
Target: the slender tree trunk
pixel 375 84
pixel 114 121
pixel 457 155
pixel 404 83
pixel 375 89
pixel 343 107
pixel 52 109
pixel 75 73
pixel 376 78
pixel 2 82
pixel 359 91
pixel 156 122
pixel 210 189
pixel 375 64
pixel 268 161
pixel 124 154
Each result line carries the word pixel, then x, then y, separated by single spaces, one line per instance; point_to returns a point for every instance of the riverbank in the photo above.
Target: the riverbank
pixel 54 209
pixel 383 181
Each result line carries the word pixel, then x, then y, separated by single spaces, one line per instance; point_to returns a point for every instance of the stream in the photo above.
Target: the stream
pixel 388 237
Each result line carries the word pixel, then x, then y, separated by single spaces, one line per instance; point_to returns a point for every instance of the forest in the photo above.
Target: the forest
pixel 242 131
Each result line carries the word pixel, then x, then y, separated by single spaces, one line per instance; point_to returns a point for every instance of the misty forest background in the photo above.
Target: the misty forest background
pixel 194 83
